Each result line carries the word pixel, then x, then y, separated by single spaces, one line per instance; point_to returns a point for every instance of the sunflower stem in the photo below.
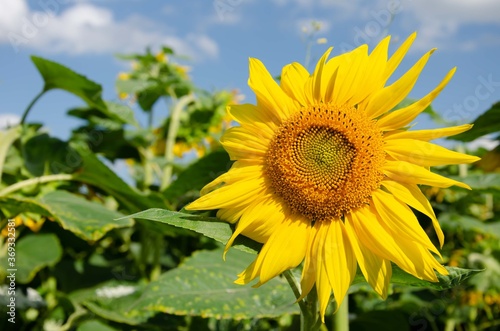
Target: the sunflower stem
pixel 341 317
pixel 310 318
pixel 175 118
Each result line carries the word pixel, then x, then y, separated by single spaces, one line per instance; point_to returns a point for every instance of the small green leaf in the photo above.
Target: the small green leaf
pixel 203 286
pixel 33 253
pixel 456 277
pixel 483 182
pixel 88 220
pixel 57 76
pixel 121 112
pixel 209 226
pixel 6 139
pixel 488 122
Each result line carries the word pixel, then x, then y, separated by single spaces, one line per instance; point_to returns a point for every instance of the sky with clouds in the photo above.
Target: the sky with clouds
pixel 220 35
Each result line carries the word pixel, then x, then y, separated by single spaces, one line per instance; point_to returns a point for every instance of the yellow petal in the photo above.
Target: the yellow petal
pixel 408 255
pixel 268 92
pixel 239 171
pixel 323 286
pixel 290 238
pixel 427 135
pixel 238 194
pixel 244 144
pixel 398 56
pixel 411 195
pixel 402 117
pixel 400 219
pixel 387 98
pixel 309 272
pixel 339 260
pixel 344 84
pixel 406 172
pixel 318 81
pixel 257 120
pixel 425 154
pixel 371 76
pixel 377 271
pixel 263 217
pixel 293 80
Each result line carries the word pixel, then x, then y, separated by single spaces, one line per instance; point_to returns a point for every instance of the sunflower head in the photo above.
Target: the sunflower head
pixel 326 171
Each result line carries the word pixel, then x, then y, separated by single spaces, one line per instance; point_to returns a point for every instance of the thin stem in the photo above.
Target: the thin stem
pixel 35 181
pixel 462 168
pixel 32 103
pixel 341 317
pixel 311 320
pixel 172 134
pixel 295 288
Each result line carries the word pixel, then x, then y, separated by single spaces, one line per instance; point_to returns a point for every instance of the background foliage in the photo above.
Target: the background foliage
pixel 95 252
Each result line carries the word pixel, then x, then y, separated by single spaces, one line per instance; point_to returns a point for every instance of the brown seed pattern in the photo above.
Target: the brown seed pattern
pixel 325 161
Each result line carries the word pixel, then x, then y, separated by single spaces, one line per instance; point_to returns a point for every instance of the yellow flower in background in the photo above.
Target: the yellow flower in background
pixel 326 173
pixel 161 57
pixel 123 76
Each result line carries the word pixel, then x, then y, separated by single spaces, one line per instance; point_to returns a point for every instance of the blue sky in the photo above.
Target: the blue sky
pixel 220 35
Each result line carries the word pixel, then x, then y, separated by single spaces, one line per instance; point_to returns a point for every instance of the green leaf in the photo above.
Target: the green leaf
pixel 33 253
pixel 44 154
pixel 121 112
pixel 488 122
pixel 481 182
pixel 88 220
pixel 94 325
pixel 57 76
pixel 209 226
pixel 203 286
pixel 196 175
pixel 456 277
pixel 6 139
pixel 96 173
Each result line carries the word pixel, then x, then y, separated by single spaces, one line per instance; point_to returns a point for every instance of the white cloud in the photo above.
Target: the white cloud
pixel 86 28
pixel 440 21
pixel 8 120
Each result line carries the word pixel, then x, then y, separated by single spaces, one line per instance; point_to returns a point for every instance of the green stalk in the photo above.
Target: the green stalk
pixel 35 181
pixel 309 318
pixel 32 103
pixel 172 134
pixel 341 317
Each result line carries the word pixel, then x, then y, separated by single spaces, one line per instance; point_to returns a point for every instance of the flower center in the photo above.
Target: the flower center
pixel 325 161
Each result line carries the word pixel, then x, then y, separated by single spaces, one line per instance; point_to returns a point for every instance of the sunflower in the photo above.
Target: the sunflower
pixel 326 171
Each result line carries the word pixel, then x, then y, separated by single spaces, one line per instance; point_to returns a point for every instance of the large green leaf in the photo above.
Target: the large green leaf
pixel 57 76
pixel 196 175
pixel 204 286
pixel 113 300
pixel 86 219
pixel 32 253
pixel 208 226
pixel 6 139
pixel 44 154
pixel 96 173
pixel 488 122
